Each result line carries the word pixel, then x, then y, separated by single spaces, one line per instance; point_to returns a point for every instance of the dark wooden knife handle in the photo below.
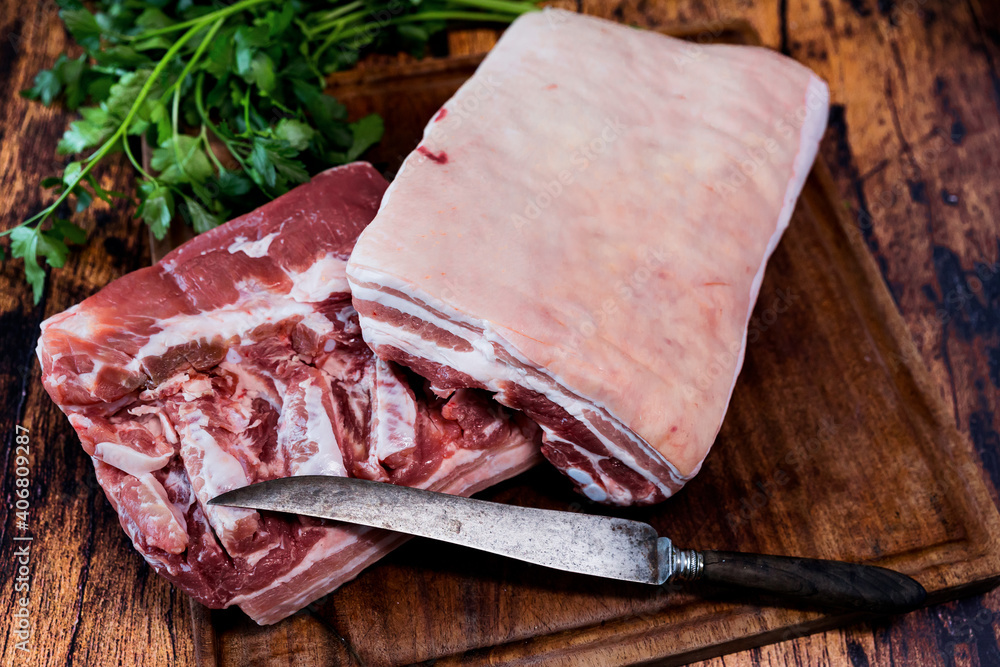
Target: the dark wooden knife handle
pixel 826 583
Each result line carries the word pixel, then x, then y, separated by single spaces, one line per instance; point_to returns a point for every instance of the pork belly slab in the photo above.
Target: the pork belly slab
pixel 238 358
pixel 583 231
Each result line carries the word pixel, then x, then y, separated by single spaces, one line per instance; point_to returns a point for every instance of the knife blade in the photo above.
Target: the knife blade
pixel 589 544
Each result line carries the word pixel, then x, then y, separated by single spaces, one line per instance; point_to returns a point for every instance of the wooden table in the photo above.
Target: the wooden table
pixel 914 145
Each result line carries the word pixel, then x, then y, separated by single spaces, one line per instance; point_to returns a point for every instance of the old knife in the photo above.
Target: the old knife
pixel 588 544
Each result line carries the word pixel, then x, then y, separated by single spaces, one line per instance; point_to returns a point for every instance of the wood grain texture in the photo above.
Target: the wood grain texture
pixel 913 147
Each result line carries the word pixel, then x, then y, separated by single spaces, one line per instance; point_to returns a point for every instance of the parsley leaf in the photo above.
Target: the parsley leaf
pixel 66 77
pixel 201 220
pixel 233 185
pixel 83 26
pixel 365 133
pixel 88 132
pixel 52 248
pixel 23 242
pixel 181 159
pixel 70 232
pixel 295 132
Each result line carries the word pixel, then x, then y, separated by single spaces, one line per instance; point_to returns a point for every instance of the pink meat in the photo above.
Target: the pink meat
pixel 238 358
pixel 583 231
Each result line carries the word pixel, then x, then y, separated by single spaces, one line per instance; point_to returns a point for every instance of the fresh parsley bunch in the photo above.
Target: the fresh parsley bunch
pixel 228 96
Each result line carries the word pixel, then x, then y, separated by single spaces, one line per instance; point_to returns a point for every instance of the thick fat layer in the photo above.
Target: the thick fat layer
pixel 238 359
pixel 635 192
pixel 493 363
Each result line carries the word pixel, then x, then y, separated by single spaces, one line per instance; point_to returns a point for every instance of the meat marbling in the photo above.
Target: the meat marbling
pixel 238 358
pixel 583 231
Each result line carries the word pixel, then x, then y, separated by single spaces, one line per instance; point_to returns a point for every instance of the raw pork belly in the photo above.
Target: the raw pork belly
pixel 583 231
pixel 238 358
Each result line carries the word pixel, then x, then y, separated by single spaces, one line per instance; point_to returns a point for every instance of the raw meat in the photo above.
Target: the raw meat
pixel 583 231
pixel 238 358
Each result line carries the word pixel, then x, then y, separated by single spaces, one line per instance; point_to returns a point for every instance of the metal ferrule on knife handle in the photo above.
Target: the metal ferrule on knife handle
pixel 678 564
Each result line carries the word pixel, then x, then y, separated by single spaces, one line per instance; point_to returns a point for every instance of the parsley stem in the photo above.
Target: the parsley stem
pixel 200 106
pixel 504 6
pixel 246 114
pixel 339 11
pixel 178 158
pixel 201 20
pixel 327 19
pixel 411 18
pixel 499 11
pixel 208 148
pixel 345 20
pixel 452 15
pixel 135 163
pixel 175 86
pixel 174 108
pixel 341 32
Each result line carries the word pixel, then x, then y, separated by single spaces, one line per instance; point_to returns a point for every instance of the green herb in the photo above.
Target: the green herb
pixel 229 98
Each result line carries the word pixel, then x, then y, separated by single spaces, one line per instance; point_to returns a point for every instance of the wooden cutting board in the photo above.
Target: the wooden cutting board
pixel 835 446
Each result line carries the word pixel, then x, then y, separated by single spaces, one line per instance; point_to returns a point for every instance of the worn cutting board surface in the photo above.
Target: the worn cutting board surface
pixel 834 446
